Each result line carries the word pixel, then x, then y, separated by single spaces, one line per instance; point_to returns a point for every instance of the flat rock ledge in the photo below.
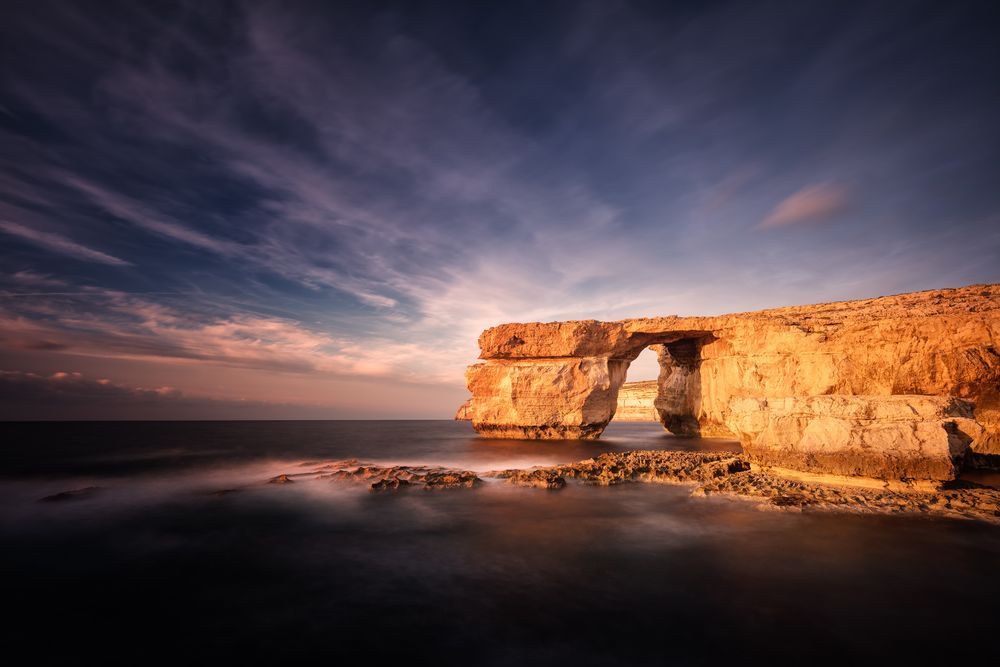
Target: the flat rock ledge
pixel 710 474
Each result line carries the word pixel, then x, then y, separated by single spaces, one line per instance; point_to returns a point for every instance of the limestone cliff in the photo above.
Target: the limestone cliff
pixel 635 402
pixel 464 413
pixel 561 379
pixel 888 437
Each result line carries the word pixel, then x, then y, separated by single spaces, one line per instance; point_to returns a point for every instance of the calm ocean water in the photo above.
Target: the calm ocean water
pixel 154 564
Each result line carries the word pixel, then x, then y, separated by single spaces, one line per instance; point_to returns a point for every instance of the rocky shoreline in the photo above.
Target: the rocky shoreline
pixel 709 474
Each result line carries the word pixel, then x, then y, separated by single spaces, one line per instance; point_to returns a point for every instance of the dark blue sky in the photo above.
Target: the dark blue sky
pixel 312 209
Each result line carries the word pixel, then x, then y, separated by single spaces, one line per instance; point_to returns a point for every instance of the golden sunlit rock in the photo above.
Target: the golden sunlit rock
pixel 893 437
pixel 635 402
pixel 561 380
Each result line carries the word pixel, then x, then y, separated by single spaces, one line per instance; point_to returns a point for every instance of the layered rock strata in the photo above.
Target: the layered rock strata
pixel 890 437
pixel 561 379
pixel 570 398
pixel 635 402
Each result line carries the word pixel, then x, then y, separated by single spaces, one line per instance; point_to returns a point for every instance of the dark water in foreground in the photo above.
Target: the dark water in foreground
pixel 153 566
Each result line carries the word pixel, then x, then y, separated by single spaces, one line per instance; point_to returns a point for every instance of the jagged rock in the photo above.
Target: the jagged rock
pixel 654 466
pixel 281 479
pixel 452 479
pixel 561 379
pixel 393 478
pixel 635 402
pixel 891 437
pixel 539 478
pixel 388 484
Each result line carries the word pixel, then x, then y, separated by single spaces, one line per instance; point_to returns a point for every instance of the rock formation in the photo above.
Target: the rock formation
pixel 707 473
pixel 915 437
pixel 561 379
pixel 635 402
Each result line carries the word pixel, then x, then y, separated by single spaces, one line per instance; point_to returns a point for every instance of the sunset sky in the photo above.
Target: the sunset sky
pixel 311 210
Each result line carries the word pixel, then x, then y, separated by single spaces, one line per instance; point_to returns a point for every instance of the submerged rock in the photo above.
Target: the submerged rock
pixel 73 494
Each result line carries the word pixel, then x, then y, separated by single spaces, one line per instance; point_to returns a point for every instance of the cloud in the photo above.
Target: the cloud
pixel 353 195
pixel 60 244
pixel 814 203
pixel 73 395
pixel 67 385
pixel 115 325
pixel 122 207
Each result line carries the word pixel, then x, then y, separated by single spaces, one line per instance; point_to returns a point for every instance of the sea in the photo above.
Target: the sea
pixel 154 542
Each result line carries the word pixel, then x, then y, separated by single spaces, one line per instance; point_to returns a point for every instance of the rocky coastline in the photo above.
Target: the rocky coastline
pixel 726 475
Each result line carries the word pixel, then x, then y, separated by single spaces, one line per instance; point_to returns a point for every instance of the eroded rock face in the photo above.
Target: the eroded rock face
pixel 540 398
pixel 635 402
pixel 890 437
pixel 561 380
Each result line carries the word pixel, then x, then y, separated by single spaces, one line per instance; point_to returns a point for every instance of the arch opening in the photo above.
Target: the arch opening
pixel 674 398
pixel 636 397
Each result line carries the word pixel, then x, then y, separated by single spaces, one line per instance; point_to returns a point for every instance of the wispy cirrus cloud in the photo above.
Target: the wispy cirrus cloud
pixel 125 208
pixel 353 194
pixel 59 244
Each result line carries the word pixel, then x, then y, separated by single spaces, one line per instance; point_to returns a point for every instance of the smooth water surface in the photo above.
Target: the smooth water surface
pixel 179 551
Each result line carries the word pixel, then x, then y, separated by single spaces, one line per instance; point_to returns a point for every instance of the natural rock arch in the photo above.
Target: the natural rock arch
pixel 561 379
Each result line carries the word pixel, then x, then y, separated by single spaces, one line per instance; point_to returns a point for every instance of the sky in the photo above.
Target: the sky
pixel 310 210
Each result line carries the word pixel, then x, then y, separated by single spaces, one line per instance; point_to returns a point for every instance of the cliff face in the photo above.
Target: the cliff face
pixel 635 402
pixel 561 379
pixel 920 437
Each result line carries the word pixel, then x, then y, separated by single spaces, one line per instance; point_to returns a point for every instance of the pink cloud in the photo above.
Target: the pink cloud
pixel 114 325
pixel 814 203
